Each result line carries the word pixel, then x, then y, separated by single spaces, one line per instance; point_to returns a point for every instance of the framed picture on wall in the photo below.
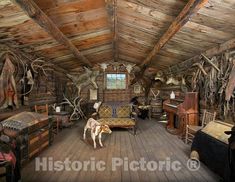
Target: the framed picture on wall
pixel 93 94
pixel 137 89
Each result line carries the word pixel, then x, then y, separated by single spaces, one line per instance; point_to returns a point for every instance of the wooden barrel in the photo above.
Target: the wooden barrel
pixel 156 106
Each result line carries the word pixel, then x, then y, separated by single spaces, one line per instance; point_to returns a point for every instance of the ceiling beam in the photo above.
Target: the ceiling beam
pixel 34 12
pixel 111 7
pixel 115 47
pixel 184 16
pixel 12 46
pixel 185 65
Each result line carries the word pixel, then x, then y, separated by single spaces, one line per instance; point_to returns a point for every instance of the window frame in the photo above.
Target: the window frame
pixel 116 73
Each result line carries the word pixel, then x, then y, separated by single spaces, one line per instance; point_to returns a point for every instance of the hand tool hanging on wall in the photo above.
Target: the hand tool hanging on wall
pixel 27 85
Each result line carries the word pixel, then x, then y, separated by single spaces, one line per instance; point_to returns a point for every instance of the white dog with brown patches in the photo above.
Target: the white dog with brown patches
pixel 96 130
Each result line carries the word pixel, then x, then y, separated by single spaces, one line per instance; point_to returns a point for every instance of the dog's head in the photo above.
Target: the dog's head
pixel 105 129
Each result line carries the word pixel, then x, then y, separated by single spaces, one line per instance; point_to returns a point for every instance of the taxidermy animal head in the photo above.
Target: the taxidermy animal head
pixel 104 66
pixel 82 80
pixel 129 67
pixel 175 81
pixel 160 77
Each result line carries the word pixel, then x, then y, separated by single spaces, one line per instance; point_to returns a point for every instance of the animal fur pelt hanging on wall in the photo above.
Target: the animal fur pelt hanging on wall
pixel 8 91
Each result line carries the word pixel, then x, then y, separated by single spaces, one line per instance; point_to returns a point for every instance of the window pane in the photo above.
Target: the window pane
pixel 116 81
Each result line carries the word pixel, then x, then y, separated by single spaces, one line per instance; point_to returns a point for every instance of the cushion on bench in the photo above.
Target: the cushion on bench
pixel 116 122
pixel 119 116
pixel 123 111
pixel 105 111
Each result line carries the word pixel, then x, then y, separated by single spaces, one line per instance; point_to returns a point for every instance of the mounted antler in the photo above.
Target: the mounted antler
pixel 40 64
pixel 82 80
pixel 75 104
pixel 155 95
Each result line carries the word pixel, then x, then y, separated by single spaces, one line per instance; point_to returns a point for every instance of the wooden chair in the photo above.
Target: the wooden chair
pixel 192 129
pixel 42 109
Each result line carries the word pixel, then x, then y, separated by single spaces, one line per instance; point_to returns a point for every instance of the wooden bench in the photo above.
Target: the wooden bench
pixel 121 116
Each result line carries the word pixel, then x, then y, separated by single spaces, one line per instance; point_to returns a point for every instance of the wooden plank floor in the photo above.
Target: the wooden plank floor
pixel 152 143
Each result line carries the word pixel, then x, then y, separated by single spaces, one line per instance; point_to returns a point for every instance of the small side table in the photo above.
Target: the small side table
pixel 61 117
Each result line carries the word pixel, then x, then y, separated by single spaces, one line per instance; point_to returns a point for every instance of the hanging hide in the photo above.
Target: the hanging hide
pixel 231 84
pixel 146 83
pixel 139 75
pixel 8 92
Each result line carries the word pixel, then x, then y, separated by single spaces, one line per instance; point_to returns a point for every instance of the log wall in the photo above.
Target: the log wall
pixel 114 95
pixel 214 101
pixel 46 90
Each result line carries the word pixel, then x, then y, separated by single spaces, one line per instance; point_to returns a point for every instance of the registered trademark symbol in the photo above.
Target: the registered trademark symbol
pixel 193 164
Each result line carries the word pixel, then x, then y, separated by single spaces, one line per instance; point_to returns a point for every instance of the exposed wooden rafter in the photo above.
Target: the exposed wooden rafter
pixel 181 67
pixel 111 7
pixel 28 56
pixel 184 16
pixel 115 48
pixel 34 12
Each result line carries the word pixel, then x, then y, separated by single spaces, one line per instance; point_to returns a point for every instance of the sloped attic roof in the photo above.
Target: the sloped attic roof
pixel 120 30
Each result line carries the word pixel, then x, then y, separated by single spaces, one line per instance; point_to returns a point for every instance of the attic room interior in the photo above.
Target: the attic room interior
pixel 117 90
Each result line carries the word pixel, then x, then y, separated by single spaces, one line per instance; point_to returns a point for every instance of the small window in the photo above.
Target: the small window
pixel 116 81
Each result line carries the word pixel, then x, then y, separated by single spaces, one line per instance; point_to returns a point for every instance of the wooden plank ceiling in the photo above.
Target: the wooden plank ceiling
pixel 125 30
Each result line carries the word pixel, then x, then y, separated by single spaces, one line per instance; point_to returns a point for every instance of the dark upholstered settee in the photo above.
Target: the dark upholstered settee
pixel 120 116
